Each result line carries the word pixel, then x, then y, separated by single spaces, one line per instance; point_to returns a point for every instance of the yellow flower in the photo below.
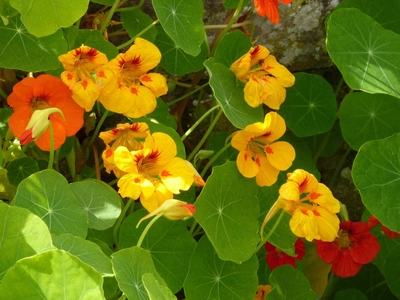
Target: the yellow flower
pixel 259 155
pixel 265 78
pixel 127 87
pixel 153 173
pixel 80 65
pixel 127 135
pixel 312 205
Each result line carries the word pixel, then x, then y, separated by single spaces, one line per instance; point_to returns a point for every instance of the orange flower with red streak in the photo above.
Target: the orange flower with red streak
pixel 43 93
pixel 128 88
pixel 80 67
pixel 269 8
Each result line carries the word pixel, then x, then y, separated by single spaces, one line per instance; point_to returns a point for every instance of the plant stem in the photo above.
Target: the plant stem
pixel 51 154
pixel 110 13
pixel 338 167
pixel 264 240
pixel 223 26
pixel 187 95
pixel 205 136
pixel 96 131
pixel 130 8
pixel 214 158
pixel 139 34
pixel 140 241
pixel 329 286
pixel 3 94
pixel 120 219
pixel 190 130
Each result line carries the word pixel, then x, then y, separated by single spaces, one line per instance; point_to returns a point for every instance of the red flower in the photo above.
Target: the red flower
pixel 275 257
pixel 270 9
pixel 354 247
pixel 43 93
pixel 372 222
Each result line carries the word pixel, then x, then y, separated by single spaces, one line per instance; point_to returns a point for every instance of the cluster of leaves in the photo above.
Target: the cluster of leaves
pixel 78 240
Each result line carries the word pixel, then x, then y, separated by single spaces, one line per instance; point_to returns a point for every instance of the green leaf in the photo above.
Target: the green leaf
pixel 87 251
pixel 217 142
pixel 229 94
pixel 155 289
pixel 392 270
pixel 385 12
pixel 365 53
pixel 210 277
pixel 376 174
pixel 22 234
pixel 134 21
pixel 175 60
pixel 53 14
pixel 168 242
pixel 227 209
pixel 48 195
pixel 100 202
pixel 54 274
pixel 232 46
pixel 95 39
pixel 104 2
pixel 5 114
pixel 233 4
pixel 350 294
pixel 365 117
pixel 6 10
pixel 310 105
pixel 182 21
pixel 20 169
pixel 22 51
pixel 161 115
pixel 129 266
pixel 7 191
pixel 289 283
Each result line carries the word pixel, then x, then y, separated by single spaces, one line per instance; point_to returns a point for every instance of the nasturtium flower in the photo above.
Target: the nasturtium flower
pixel 373 221
pixel 153 173
pixel 354 247
pixel 312 206
pixel 127 135
pixel 50 94
pixel 259 155
pixel 127 87
pixel 265 78
pixel 262 291
pixel 269 8
pixel 80 69
pixel 276 257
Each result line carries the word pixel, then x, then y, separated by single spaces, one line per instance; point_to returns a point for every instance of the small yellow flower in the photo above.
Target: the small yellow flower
pixel 153 173
pixel 127 87
pixel 265 78
pixel 80 66
pixel 312 206
pixel 127 135
pixel 259 155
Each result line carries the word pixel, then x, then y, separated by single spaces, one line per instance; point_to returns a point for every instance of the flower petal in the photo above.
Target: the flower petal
pixel 280 72
pixel 322 196
pixel 280 155
pixel 157 198
pixel 125 160
pixel 344 266
pixel 267 174
pixel 156 83
pixel 177 175
pixel 143 102
pixel 246 165
pixel 327 222
pixel 303 223
pixel 253 91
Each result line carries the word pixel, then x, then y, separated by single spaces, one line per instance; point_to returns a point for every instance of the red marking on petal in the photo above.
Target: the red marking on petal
pixel 316 213
pixel 85 84
pixel 146 78
pixel 258 162
pixel 109 153
pixel 70 76
pixel 314 196
pixel 134 91
pixel 137 180
pixel 165 173
pixel 269 150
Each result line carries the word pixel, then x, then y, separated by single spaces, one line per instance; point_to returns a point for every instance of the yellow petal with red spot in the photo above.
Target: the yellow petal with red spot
pixel 327 222
pixel 273 93
pixel 276 126
pixel 253 91
pixel 85 93
pixel 157 198
pixel 177 175
pixel 143 102
pixel 290 191
pixel 267 174
pixel 69 78
pixel 241 66
pixel 304 224
pixel 247 167
pixel 304 180
pixel 130 185
pixel 157 83
pixel 282 75
pixel 322 195
pixel 163 147
pixel 125 160
pixel 241 139
pixel 280 155
pixel 144 55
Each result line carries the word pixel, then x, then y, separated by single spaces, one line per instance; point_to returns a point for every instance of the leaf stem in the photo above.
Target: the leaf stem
pixel 139 34
pixel 190 130
pixel 214 158
pixel 131 7
pixel 187 95
pixel 205 136
pixel 142 236
pixel 110 13
pixel 3 94
pixel 120 219
pixel 264 240
pixel 96 131
pixel 51 154
pixel 338 167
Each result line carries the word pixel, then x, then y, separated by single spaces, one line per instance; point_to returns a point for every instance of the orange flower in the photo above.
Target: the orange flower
pixel 270 9
pixel 80 65
pixel 127 87
pixel 42 93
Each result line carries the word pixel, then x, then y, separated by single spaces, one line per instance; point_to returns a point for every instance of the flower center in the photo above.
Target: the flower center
pixel 38 103
pixel 344 240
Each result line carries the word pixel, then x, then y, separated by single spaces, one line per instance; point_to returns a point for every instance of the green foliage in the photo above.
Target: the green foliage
pixel 134 21
pixel 20 169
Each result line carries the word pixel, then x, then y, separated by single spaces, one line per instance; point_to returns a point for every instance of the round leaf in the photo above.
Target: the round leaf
pixel 392 270
pixel 93 38
pixel 310 105
pixel 100 202
pixel 48 195
pixel 155 289
pixel 134 21
pixel 365 117
pixel 227 209
pixel 365 53
pixel 229 94
pixel 22 234
pixel 212 278
pixel 20 169
pixel 168 242
pixel 54 274
pixel 350 294
pixel 232 46
pixel 376 173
